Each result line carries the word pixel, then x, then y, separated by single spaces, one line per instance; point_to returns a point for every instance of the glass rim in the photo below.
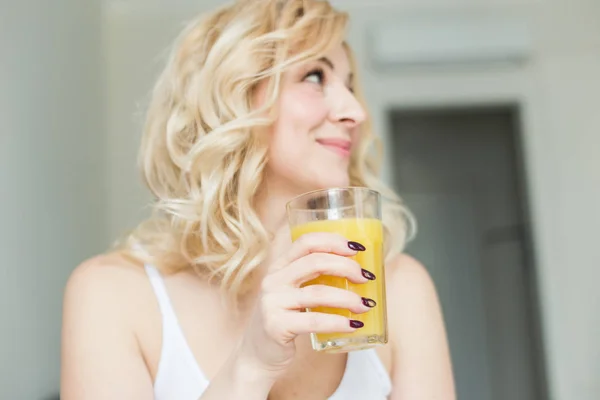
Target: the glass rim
pixel 333 189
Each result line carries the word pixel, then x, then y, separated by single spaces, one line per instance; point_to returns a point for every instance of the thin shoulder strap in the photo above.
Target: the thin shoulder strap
pixel 175 348
pixel 160 290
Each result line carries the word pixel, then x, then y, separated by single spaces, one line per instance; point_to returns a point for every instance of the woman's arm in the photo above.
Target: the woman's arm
pixel 101 356
pixel 421 359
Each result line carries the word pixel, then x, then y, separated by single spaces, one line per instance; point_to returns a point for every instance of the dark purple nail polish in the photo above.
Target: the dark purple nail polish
pixel 356 246
pixel 356 324
pixel 367 274
pixel 369 302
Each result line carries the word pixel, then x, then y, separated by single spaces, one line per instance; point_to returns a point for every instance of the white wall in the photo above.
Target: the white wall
pixel 52 203
pixel 559 90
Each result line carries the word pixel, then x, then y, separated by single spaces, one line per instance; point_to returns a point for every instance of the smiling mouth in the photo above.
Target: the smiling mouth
pixel 342 147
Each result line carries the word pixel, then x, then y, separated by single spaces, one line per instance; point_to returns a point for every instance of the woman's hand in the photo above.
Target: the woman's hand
pixel 268 344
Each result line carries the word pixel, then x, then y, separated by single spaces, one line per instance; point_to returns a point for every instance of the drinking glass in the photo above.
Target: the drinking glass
pixel 354 213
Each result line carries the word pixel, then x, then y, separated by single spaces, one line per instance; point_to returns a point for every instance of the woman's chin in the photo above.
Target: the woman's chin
pixel 332 183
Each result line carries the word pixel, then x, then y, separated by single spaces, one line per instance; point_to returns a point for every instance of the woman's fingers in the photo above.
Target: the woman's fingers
pixel 320 242
pixel 313 296
pixel 289 324
pixel 313 265
pixel 311 256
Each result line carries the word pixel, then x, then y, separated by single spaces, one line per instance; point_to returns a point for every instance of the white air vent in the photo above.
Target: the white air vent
pixel 441 39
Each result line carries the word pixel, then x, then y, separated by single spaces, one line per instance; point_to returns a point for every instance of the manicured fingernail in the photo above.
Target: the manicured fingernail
pixel 356 324
pixel 369 302
pixel 356 246
pixel 367 274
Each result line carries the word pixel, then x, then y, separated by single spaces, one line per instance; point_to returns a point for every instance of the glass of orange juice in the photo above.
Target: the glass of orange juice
pixel 354 213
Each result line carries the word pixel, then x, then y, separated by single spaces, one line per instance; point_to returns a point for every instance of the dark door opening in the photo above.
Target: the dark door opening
pixel 460 171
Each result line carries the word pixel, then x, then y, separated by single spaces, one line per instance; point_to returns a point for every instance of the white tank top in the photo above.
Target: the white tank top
pixel 179 376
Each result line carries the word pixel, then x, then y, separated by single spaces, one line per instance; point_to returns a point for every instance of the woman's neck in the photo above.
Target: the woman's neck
pixel 271 204
pixel 271 209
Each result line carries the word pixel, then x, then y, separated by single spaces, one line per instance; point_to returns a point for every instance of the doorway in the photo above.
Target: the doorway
pixel 460 171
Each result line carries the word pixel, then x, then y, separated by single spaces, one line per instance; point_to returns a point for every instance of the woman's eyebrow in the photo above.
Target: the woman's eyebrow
pixel 327 61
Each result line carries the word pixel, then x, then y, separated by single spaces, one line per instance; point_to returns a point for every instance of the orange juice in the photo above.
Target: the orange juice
pixel 368 232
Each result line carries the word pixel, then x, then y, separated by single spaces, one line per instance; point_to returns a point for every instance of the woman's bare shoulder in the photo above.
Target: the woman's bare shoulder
pixel 405 271
pixel 105 282
pixel 411 290
pixel 109 270
pixel 417 333
pixel 105 301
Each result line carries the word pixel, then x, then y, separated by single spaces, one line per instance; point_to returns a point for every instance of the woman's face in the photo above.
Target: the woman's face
pixel 317 126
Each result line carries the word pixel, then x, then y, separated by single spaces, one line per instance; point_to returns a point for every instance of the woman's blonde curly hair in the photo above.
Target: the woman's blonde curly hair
pixel 204 151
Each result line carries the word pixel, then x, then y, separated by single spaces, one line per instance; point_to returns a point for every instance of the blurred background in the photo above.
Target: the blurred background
pixel 490 115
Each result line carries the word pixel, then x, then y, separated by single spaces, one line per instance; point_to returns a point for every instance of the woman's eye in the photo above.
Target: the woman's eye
pixel 316 76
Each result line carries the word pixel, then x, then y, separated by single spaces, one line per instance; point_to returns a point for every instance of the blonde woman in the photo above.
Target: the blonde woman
pixel 259 102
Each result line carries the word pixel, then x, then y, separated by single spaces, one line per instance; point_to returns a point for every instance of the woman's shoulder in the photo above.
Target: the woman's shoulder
pixel 417 332
pixel 411 290
pixel 109 271
pixel 405 271
pixel 107 283
pixel 107 304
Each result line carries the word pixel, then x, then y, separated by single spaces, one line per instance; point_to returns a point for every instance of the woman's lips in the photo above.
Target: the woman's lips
pixel 342 147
